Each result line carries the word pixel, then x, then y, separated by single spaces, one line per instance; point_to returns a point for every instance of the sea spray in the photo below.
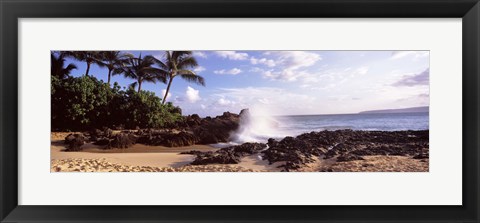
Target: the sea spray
pixel 257 125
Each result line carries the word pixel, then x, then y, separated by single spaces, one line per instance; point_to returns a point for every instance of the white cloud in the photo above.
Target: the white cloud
pixel 295 59
pixel 200 54
pixel 264 61
pixel 334 77
pixel 224 102
pixel 232 55
pixel 199 69
pixel 362 70
pixel 233 71
pixel 282 75
pixel 414 54
pixel 257 70
pixel 289 65
pixel 192 94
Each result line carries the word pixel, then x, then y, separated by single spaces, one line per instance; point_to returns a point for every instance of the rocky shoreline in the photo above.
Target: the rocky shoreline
pixel 341 145
pixel 288 154
pixel 190 131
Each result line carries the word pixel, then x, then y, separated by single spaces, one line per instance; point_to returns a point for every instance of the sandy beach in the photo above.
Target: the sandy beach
pixel 142 158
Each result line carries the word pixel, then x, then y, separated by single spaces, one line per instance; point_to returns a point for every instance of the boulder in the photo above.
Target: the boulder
pixel 99 134
pixel 218 157
pixel 74 142
pixel 122 141
pixel 217 130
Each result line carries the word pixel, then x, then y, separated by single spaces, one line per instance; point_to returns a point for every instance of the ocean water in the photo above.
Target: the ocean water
pixel 381 122
pixel 260 128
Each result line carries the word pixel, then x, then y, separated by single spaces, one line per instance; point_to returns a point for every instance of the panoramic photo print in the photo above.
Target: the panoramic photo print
pixel 239 111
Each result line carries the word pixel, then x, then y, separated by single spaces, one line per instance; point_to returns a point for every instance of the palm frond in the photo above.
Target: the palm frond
pixel 117 71
pixel 71 67
pixel 177 55
pixel 190 76
pixel 187 62
pixel 57 66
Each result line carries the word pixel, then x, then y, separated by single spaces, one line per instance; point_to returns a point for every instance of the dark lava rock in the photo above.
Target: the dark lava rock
pixel 349 157
pixel 122 141
pixel 325 139
pixel 102 141
pixel 217 129
pixel 74 142
pixel 424 155
pixel 218 157
pixel 186 122
pixel 245 113
pixel 229 155
pixel 193 120
pixel 209 130
pixel 340 148
pixel 392 150
pixel 163 138
pixel 192 152
pixel 180 139
pixel 247 148
pixel 345 145
pixel 97 134
pixel 295 152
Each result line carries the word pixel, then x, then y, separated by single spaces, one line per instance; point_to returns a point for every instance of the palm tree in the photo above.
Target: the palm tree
pixel 87 56
pixel 114 61
pixel 142 70
pixel 179 63
pixel 57 66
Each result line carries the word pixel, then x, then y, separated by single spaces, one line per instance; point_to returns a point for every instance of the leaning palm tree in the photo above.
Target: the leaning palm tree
pixel 179 63
pixel 89 57
pixel 114 61
pixel 57 66
pixel 142 70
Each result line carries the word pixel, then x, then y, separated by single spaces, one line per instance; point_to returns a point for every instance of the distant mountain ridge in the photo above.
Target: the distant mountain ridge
pixel 400 110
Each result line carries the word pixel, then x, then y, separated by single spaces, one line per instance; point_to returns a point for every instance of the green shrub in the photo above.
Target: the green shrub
pixel 84 103
pixel 144 109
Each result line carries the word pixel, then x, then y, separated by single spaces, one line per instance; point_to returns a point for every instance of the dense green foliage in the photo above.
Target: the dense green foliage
pixel 83 103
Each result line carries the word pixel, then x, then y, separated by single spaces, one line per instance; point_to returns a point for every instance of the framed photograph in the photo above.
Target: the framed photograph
pixel 228 111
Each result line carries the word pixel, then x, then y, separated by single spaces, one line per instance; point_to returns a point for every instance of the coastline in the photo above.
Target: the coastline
pixel 141 158
pixel 148 158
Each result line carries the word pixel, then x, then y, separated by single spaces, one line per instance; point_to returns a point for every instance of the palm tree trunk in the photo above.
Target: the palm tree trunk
pixel 88 69
pixel 109 75
pixel 168 90
pixel 139 86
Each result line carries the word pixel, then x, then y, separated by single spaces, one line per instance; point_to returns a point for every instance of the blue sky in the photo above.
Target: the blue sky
pixel 294 82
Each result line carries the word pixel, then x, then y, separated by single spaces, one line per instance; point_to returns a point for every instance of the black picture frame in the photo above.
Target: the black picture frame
pixel 11 11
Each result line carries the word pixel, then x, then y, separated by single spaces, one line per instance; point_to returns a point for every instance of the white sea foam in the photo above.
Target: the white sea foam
pixel 258 125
